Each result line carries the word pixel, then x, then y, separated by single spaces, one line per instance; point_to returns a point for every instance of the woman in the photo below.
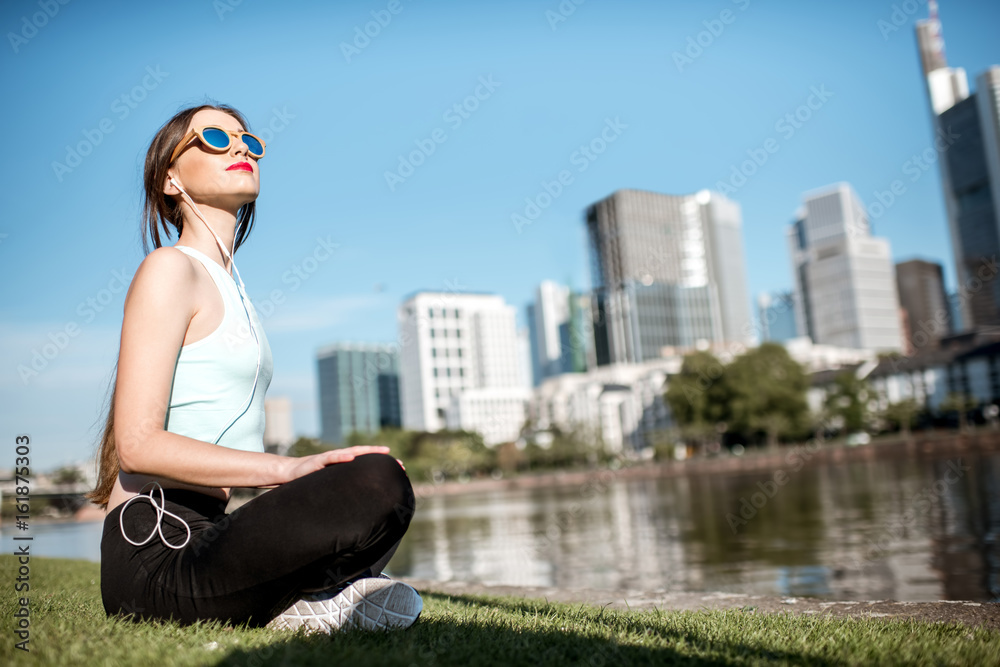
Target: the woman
pixel 186 423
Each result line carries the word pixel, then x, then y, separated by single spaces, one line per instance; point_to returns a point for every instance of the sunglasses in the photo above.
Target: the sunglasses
pixel 218 140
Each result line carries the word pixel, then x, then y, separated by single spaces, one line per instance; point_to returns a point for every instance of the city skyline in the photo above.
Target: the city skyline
pixel 335 268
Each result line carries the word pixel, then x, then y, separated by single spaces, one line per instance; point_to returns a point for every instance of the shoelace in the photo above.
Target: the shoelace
pixel 160 511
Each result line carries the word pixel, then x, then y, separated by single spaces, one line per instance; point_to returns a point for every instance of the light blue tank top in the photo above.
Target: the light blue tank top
pixel 214 376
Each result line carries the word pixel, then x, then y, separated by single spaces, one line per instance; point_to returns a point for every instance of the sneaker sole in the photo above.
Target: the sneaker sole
pixel 370 604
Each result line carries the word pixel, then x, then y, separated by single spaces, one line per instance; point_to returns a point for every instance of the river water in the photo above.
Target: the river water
pixel 914 529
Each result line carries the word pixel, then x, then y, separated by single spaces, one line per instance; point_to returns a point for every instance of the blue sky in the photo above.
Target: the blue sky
pixel 109 74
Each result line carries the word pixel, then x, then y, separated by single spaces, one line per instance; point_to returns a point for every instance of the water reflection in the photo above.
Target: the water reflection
pixel 55 540
pixel 917 529
pixel 907 530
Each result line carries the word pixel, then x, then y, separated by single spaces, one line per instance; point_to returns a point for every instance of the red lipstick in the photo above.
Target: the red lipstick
pixel 244 166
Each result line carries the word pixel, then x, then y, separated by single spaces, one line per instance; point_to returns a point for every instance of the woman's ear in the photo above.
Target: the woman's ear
pixel 171 186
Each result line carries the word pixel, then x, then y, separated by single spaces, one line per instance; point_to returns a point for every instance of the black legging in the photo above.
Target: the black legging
pixel 251 564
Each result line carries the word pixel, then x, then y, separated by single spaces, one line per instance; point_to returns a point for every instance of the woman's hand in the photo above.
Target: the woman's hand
pixel 301 466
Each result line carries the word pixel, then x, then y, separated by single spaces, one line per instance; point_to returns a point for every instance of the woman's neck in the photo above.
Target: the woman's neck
pixel 196 235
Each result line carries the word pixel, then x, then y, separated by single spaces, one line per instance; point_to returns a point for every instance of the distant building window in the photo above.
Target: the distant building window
pixel 430 313
pixel 444 333
pixel 432 333
pixel 446 352
pixel 437 393
pixel 458 333
pixel 434 352
pixel 447 372
pixel 435 372
pixel 456 313
pixel 460 353
pixel 461 372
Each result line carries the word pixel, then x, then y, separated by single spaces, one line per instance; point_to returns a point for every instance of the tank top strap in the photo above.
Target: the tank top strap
pixel 204 259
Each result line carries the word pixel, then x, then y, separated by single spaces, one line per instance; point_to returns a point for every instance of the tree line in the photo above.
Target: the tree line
pixel 759 395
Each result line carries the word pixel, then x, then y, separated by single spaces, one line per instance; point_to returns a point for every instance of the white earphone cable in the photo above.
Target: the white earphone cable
pixel 160 511
pixel 243 299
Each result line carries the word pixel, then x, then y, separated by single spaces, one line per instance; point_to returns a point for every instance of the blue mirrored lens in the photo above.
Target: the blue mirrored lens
pixel 253 144
pixel 216 138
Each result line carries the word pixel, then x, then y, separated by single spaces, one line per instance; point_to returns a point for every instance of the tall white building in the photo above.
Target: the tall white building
pixel 844 279
pixel 460 366
pixel 545 316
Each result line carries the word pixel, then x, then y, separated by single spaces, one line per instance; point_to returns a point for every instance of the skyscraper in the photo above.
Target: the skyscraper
pixel 668 270
pixel 945 85
pixel 844 283
pixel 461 345
pixel 561 331
pixel 967 137
pixel 358 389
pixel 921 294
pixel 549 311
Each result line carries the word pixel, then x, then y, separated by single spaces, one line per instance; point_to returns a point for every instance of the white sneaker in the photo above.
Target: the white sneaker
pixel 371 603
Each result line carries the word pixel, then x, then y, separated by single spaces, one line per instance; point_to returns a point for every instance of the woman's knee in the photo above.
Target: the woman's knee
pixel 389 484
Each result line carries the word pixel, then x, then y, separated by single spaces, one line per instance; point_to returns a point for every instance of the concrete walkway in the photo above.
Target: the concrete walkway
pixel 982 614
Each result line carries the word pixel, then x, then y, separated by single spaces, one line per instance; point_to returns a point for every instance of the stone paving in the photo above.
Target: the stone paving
pixel 983 614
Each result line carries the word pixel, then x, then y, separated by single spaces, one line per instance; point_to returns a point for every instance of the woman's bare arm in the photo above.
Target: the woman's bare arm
pixel 158 308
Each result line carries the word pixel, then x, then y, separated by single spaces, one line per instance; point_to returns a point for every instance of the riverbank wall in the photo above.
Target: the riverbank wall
pixel 921 445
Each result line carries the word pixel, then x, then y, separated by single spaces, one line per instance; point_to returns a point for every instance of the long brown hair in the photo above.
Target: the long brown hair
pixel 158 211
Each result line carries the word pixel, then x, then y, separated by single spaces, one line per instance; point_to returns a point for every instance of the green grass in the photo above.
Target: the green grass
pixel 69 627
